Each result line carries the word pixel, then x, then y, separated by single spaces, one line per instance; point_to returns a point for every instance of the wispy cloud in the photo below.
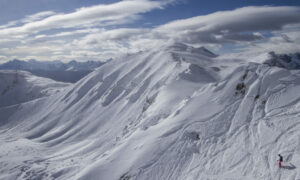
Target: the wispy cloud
pixel 27 19
pixel 231 26
pixel 37 16
pixel 69 33
pixel 117 13
pixel 117 35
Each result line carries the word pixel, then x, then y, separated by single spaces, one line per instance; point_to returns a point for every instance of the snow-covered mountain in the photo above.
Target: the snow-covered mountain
pixel 21 86
pixel 57 70
pixel 175 112
pixel 288 61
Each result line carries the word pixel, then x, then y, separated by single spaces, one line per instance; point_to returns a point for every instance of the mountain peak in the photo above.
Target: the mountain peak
pixel 181 47
pixel 288 61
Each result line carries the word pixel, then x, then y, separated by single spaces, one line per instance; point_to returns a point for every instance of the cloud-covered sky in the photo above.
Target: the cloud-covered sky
pixel 98 30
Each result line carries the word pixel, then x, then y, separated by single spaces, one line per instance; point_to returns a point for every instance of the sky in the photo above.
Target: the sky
pixel 102 29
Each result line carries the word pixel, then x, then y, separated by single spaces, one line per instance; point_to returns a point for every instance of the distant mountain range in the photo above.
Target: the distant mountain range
pixel 56 70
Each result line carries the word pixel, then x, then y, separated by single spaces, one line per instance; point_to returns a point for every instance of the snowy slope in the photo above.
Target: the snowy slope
pixel 56 70
pixel 175 112
pixel 20 86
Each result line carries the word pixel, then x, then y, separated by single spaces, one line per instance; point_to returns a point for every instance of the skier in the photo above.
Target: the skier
pixel 280 160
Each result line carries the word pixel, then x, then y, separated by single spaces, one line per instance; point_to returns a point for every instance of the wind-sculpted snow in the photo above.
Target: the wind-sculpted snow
pixel 172 113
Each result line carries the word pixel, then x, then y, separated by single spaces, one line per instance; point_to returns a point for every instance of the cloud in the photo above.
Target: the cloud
pixel 2 58
pixel 30 50
pixel 68 33
pixel 283 42
pixel 10 24
pixel 104 15
pixel 37 16
pixel 122 34
pixel 281 38
pixel 27 19
pixel 227 26
pixel 243 25
pixel 87 33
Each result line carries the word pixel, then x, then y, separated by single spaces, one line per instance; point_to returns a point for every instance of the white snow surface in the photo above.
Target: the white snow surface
pixel 166 114
pixel 20 86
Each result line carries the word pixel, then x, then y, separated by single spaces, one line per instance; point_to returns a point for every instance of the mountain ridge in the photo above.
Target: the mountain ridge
pixel 56 70
pixel 160 114
pixel 21 86
pixel 289 61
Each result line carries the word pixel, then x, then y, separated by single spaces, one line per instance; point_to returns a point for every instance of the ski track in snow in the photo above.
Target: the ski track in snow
pixel 173 113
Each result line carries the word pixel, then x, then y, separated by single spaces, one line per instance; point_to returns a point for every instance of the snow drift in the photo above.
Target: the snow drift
pixel 171 113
